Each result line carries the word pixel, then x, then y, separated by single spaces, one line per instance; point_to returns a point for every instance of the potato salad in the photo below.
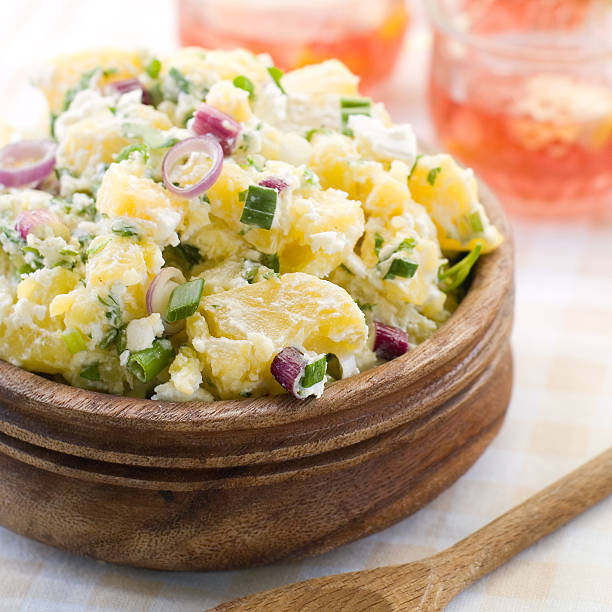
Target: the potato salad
pixel 202 227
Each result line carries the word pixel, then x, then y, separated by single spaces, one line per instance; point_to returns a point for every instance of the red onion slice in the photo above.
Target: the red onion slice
pixel 127 85
pixel 26 162
pixel 158 295
pixel 210 120
pixel 201 144
pixel 274 182
pixel 390 342
pixel 288 369
pixel 29 221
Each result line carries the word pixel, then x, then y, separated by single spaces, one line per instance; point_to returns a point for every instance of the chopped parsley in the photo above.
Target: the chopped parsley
pixel 432 175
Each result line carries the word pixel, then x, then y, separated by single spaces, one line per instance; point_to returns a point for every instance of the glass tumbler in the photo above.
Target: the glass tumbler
pixel 366 35
pixel 521 91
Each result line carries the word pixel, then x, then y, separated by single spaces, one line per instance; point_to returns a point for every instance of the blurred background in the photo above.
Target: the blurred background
pixel 521 90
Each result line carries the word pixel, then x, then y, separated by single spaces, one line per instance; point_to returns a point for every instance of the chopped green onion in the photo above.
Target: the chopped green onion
pixel 145 365
pixel 153 68
pixel 121 228
pixel 152 137
pixel 407 244
pixel 133 148
pixel 475 222
pixel 378 242
pixel 183 256
pixel 259 206
pixel 74 341
pixel 181 82
pixel 109 338
pixel 242 195
pixel 353 106
pixel 455 275
pixel 270 261
pixel 416 161
pixel 314 373
pixel 184 300
pixel 366 306
pixel 276 74
pixel 401 267
pixel 96 248
pixel 91 371
pixel 347 269
pixel 249 270
pixel 432 175
pixel 52 120
pixel 245 83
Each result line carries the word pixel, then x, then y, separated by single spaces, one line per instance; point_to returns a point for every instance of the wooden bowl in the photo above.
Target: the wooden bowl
pixel 209 486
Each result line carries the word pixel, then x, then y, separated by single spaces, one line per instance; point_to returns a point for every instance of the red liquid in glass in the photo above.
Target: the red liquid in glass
pixel 537 167
pixel 369 52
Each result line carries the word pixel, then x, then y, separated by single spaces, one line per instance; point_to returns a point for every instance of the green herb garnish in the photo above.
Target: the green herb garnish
pixel 184 300
pixel 121 228
pixel 314 373
pixel 259 206
pixel 245 83
pixel 347 269
pixel 270 261
pixel 378 242
pixel 416 161
pixel 276 74
pixel 181 82
pixel 83 83
pixel 401 267
pixel 475 222
pixel 145 365
pixel 125 153
pixel 153 68
pixel 455 275
pixel 91 371
pixel 353 106
pixel 432 175
pixel 74 341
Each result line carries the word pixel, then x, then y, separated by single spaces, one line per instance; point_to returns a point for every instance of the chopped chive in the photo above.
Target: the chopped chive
pixel 416 161
pixel 407 244
pixel 92 250
pixel 314 373
pixel 378 242
pixel 133 148
pixel 432 175
pixel 242 195
pixel 91 371
pixel 181 82
pixel 270 261
pixel 475 222
pixel 366 306
pixel 276 74
pixel 245 83
pixel 259 206
pixel 121 228
pixel 153 68
pixel 145 365
pixel 347 269
pixel 74 341
pixel 52 120
pixel 455 275
pixel 401 267
pixel 249 271
pixel 109 338
pixel 184 300
pixel 353 106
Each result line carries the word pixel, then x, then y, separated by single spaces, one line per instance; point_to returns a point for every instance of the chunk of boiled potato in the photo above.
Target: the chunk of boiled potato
pixel 294 310
pixel 329 77
pixel 65 71
pixel 450 195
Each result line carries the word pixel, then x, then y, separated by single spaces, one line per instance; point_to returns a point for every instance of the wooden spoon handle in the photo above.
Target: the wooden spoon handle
pixel 502 539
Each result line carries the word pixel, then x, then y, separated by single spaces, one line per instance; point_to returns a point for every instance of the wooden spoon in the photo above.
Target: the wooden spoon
pixel 430 584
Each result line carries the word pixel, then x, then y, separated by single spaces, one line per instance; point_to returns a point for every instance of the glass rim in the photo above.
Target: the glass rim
pixel 531 53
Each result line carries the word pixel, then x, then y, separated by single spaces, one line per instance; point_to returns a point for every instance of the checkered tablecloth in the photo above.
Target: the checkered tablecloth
pixel 560 415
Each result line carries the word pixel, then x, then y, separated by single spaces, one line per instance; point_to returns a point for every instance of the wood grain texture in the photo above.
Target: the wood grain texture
pixel 238 483
pixel 430 584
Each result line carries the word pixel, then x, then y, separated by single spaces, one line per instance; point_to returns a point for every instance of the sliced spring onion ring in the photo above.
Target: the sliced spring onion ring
pixel 455 275
pixel 259 206
pixel 184 300
pixel 26 162
pixel 402 268
pixel 210 120
pixel 390 342
pixel 198 144
pixel 288 369
pixel 145 365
